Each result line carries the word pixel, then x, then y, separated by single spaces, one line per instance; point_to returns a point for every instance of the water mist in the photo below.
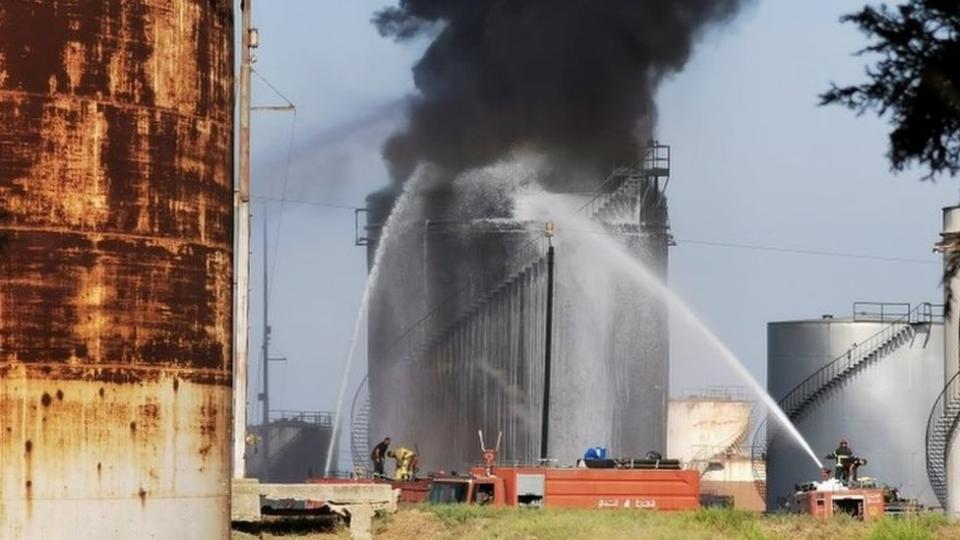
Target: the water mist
pixel 603 248
pixel 393 221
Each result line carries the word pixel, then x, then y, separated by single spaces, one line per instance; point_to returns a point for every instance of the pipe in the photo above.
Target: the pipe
pixel 547 345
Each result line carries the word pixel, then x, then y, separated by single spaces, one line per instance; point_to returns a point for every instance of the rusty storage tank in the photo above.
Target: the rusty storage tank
pixel 116 141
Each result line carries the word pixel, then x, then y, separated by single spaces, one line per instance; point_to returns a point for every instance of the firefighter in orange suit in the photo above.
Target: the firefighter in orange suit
pixel 406 463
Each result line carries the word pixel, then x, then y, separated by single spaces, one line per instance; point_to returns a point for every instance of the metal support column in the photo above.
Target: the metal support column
pixel 241 311
pixel 265 395
pixel 548 339
pixel 951 348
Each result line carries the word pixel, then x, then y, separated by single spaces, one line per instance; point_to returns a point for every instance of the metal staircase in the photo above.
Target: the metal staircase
pixel 758 459
pixel 801 400
pixel 629 197
pixel 632 192
pixel 360 428
pixel 702 460
pixel 941 429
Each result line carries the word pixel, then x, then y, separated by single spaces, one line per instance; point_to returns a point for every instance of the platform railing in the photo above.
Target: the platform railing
pixel 622 194
pixel 941 429
pixel 321 418
pixel 802 397
pixel 887 339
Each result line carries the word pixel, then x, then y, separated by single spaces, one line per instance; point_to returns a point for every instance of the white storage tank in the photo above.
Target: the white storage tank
pixel 891 371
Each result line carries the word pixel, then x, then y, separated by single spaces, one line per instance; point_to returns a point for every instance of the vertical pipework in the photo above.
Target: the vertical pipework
pixel 265 397
pixel 242 270
pixel 951 334
pixel 548 339
pixel 951 344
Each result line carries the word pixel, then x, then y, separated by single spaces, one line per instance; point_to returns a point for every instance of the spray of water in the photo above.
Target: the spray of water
pixel 399 209
pixel 608 250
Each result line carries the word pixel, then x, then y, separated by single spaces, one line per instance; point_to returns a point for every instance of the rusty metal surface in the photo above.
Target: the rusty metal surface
pixel 116 142
pixel 90 459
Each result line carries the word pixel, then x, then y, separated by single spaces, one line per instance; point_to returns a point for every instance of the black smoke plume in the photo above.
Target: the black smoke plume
pixel 571 79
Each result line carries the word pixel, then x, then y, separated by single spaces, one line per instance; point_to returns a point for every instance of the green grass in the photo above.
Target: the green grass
pixel 487 523
pixel 548 524
pixel 460 521
pixel 921 527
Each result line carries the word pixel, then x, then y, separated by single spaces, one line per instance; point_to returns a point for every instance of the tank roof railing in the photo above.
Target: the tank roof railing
pixel 897 311
pixel 321 418
pixel 718 393
pixel 709 452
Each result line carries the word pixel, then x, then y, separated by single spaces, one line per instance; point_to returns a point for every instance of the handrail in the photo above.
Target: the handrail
pixel 791 403
pixel 475 306
pixel 409 332
pixel 655 163
pixel 360 442
pixel 884 311
pixel 880 311
pixel 618 173
pixel 943 424
pixel 321 418
pixel 758 451
pixel 922 314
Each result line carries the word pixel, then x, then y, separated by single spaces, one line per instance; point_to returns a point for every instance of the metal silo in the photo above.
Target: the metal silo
pixel 116 141
pixel 457 325
pixel 870 379
pixel 433 350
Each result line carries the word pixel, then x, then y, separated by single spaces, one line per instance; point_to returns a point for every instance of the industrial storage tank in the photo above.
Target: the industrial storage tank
pixel 709 431
pixel 298 447
pixel 457 327
pixel 891 371
pixel 440 277
pixel 116 145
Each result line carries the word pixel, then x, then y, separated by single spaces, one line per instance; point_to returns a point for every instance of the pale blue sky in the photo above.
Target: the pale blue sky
pixel 755 162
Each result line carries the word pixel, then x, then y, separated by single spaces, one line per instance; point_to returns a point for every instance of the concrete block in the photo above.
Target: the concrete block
pixel 245 500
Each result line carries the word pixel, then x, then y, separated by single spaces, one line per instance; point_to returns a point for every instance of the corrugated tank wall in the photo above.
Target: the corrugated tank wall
pixel 116 144
pixel 440 367
pixel 457 327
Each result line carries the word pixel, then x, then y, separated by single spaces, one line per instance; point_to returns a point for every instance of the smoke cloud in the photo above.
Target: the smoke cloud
pixel 573 80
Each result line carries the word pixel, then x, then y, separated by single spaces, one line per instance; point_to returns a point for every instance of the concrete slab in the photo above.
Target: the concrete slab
pixel 358 502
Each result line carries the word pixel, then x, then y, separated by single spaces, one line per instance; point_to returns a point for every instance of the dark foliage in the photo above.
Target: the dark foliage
pixel 915 81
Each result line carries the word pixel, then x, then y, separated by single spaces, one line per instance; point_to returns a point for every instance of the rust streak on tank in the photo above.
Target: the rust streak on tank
pixel 116 183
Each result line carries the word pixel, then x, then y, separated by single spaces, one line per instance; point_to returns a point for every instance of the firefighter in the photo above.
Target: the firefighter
pixel 378 455
pixel 406 463
pixel 843 455
pixel 855 465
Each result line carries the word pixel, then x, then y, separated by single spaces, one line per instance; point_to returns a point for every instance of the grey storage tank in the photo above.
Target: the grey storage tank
pixel 456 328
pixel 870 379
